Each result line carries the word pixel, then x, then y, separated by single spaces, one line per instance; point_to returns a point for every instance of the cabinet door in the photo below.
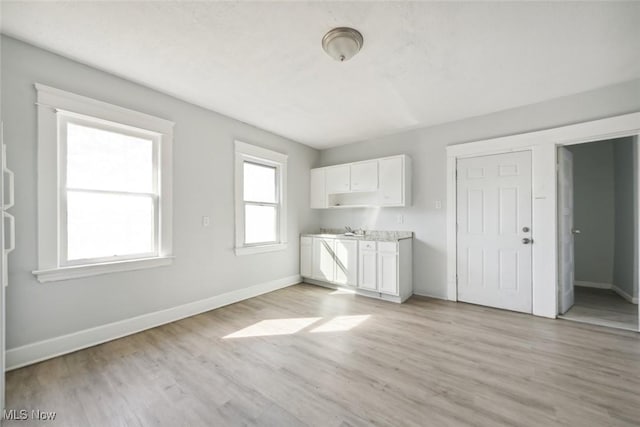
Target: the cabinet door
pixel 323 266
pixel 388 272
pixel 347 262
pixel 318 195
pixel 391 181
pixel 337 179
pixel 367 271
pixel 364 176
pixel 306 260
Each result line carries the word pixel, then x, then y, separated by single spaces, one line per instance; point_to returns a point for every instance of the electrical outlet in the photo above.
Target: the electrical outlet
pixel 438 204
pixel 400 219
pixel 206 221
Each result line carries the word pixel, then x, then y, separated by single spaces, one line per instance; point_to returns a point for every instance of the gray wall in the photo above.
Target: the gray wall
pixel 205 264
pixel 625 260
pixel 594 211
pixel 427 148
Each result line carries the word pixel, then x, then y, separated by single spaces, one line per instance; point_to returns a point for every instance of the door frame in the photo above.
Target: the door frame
pixel 543 145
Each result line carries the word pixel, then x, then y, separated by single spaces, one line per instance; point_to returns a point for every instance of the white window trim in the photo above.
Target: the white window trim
pixel 247 152
pixel 51 102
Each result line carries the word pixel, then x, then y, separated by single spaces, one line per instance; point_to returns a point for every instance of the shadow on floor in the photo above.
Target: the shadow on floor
pixel 602 307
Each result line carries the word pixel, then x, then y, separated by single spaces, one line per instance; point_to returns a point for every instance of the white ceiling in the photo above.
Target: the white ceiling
pixel 421 64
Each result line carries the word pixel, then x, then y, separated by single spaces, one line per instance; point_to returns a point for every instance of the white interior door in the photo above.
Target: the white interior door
pixel 494 231
pixel 566 263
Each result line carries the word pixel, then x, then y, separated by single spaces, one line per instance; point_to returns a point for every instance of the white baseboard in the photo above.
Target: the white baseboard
pixel 619 291
pixel 428 295
pixel 46 349
pixel 624 294
pixel 593 285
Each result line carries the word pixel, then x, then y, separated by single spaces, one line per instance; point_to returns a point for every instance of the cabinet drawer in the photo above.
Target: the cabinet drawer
pixel 387 247
pixel 367 246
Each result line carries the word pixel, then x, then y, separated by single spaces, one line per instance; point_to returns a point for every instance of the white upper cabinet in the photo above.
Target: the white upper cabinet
pixel 318 194
pixel 391 181
pixel 338 179
pixel 370 183
pixel 364 176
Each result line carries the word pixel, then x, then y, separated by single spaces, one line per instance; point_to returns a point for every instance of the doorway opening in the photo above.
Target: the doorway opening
pixel 598 232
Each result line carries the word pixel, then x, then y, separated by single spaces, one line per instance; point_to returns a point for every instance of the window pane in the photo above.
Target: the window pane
pixel 259 183
pixel 106 225
pixel 260 224
pixel 101 160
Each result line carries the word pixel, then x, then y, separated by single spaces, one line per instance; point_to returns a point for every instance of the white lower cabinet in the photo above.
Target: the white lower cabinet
pixel 323 266
pixel 346 262
pixel 378 269
pixel 367 269
pixel 306 254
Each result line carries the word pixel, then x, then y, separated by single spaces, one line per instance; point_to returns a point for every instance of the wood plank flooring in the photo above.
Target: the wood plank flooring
pixel 603 307
pixel 307 355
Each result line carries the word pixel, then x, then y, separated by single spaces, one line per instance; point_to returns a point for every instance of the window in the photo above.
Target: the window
pixel 260 199
pixel 104 200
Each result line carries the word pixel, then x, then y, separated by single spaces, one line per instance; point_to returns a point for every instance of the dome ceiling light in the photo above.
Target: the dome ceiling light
pixel 342 43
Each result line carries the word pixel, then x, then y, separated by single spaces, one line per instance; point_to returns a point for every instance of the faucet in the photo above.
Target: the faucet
pixel 351 231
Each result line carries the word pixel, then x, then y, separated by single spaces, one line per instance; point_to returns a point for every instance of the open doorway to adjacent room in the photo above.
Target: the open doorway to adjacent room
pixel 598 232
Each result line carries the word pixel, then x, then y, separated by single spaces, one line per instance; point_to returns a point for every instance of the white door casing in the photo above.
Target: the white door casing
pixel 494 205
pixel 566 254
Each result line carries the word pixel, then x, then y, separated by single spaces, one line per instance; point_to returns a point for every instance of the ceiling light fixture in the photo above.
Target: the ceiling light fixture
pixel 342 43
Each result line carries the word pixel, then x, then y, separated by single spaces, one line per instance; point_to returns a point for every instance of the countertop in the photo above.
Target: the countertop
pixel 375 235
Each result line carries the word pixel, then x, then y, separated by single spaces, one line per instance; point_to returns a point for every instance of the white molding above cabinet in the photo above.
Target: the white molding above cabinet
pixel 370 183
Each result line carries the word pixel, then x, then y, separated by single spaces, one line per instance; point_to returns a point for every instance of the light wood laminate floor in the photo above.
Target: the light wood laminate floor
pixel 602 307
pixel 307 355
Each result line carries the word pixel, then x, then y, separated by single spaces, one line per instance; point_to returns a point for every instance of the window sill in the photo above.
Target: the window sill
pixel 76 272
pixel 249 250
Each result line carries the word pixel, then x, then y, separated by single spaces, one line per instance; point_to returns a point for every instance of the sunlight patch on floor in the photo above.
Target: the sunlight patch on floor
pixel 342 292
pixel 274 327
pixel 341 323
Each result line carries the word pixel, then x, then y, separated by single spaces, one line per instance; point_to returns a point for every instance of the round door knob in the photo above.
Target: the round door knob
pixel 526 241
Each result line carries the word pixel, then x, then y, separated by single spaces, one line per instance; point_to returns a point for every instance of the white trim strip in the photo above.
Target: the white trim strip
pixel 47 349
pixel 58 99
pixel 624 294
pixel 86 270
pixel 595 285
pixel 249 250
pixel 259 152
